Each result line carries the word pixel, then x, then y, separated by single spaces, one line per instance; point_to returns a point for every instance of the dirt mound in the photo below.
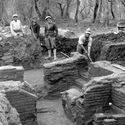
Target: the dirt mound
pixel 20 51
pixel 102 40
pixel 66 45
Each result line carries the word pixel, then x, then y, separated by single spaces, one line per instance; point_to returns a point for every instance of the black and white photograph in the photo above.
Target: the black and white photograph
pixel 62 62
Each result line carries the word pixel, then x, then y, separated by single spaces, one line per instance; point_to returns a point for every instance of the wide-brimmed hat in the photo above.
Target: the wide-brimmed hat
pixel 48 17
pixel 88 31
pixel 15 15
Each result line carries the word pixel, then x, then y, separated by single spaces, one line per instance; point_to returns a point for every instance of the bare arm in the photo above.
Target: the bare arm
pixel 21 26
pixel 89 46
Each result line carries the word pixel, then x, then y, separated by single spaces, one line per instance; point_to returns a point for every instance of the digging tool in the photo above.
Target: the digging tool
pixel 65 54
pixel 86 52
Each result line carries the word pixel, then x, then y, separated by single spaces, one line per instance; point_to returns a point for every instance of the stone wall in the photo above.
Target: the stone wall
pixel 100 94
pixel 60 75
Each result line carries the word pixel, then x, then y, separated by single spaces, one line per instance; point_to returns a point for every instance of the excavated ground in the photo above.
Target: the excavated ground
pixel 113 43
pixel 51 111
pixel 25 51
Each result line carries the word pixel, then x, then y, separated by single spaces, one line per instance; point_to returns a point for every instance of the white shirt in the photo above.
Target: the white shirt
pixel 15 25
pixel 82 40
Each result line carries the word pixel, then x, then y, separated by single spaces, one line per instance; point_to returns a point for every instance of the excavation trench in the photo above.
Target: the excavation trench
pixel 75 71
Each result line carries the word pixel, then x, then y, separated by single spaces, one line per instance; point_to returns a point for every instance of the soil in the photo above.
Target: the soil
pixel 102 40
pixel 50 111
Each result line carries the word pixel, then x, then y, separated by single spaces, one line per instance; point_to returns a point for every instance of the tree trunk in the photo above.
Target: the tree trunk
pixel 77 11
pixel 31 10
pixel 98 18
pixel 106 14
pixel 95 10
pixel 68 2
pixel 61 8
pixel 112 12
pixel 37 10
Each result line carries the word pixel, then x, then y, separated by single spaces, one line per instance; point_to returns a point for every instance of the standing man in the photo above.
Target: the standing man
pixel 35 30
pixel 51 32
pixel 85 43
pixel 16 26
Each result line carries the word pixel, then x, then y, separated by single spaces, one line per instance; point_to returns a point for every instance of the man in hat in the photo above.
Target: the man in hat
pixel 51 32
pixel 16 26
pixel 85 42
pixel 35 28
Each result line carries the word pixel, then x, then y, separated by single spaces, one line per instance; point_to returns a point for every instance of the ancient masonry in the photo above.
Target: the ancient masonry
pixel 19 94
pixel 103 90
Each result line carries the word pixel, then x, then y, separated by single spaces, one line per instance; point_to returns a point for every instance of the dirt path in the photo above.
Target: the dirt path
pixel 52 111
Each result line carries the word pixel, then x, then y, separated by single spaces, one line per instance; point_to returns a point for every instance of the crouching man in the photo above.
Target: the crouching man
pixel 85 43
pixel 16 26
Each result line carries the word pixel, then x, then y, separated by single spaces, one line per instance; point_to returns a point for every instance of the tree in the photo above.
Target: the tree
pixel 98 18
pixel 68 3
pixel 111 7
pixel 3 14
pixel 106 13
pixel 61 6
pixel 77 11
pixel 95 10
pixel 37 9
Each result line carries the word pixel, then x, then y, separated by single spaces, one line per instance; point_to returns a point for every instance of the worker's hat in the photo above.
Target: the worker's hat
pixel 15 15
pixel 88 31
pixel 48 17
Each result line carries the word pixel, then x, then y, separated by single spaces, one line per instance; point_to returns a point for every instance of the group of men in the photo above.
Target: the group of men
pixel 51 32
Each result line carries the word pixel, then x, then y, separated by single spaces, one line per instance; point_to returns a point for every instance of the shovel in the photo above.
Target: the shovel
pixel 86 52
